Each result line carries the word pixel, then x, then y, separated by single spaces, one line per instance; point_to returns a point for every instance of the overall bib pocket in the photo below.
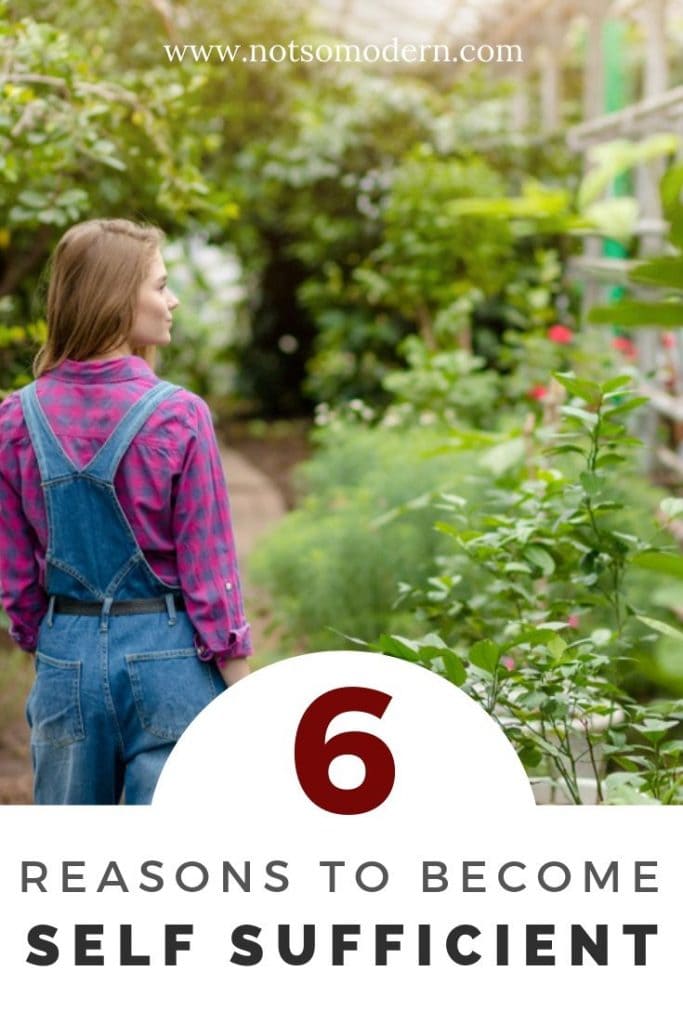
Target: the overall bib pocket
pixel 53 708
pixel 170 688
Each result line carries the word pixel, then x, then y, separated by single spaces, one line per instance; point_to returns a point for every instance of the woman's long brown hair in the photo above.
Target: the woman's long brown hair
pixel 96 272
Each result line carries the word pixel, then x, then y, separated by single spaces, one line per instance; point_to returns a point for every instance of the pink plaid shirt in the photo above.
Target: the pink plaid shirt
pixel 170 484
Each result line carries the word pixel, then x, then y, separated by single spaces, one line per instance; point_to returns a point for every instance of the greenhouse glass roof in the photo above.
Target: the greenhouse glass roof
pixel 447 21
pixel 429 21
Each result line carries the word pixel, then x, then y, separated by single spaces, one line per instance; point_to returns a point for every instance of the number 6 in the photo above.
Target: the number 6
pixel 313 756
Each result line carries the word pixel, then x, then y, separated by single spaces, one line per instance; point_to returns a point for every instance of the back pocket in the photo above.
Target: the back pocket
pixel 53 708
pixel 170 688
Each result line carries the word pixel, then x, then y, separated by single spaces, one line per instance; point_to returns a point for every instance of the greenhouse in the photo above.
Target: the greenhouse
pixel 427 261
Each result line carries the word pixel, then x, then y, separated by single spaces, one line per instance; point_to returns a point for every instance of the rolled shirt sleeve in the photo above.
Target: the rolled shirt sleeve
pixel 205 547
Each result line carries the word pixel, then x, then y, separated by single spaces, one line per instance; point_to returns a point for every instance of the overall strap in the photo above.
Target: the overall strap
pixel 52 460
pixel 104 464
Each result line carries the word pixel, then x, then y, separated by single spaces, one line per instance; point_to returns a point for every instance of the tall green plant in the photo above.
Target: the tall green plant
pixel 544 631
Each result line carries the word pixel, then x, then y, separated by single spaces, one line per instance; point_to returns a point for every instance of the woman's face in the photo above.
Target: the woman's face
pixel 152 321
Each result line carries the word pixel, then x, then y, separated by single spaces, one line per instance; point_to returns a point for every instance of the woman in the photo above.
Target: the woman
pixel 117 561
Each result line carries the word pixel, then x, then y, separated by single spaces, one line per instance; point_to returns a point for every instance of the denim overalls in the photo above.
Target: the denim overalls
pixel 116 684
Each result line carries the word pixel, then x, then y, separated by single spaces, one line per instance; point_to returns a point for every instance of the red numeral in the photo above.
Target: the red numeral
pixel 313 755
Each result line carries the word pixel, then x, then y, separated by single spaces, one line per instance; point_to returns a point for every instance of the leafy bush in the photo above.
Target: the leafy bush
pixel 430 257
pixel 334 565
pixel 532 611
pixel 450 386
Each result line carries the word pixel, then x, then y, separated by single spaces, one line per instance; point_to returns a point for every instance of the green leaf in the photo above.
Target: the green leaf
pixel 533 637
pixel 447 528
pixel 614 384
pixel 535 204
pixel 398 647
pixel 609 459
pixel 625 788
pixel 615 217
pixel 485 654
pixel 419 502
pixel 454 667
pixel 631 762
pixel 661 627
pixel 654 727
pixel 670 186
pixel 28 197
pixel 615 157
pixel 661 561
pixel 503 457
pixel 557 647
pixel 516 567
pixel 562 448
pixel 541 557
pixel 529 756
pixel 574 412
pixel 664 272
pixel 590 483
pixel 601 637
pixel 627 313
pixel 675 217
pixel 626 406
pixel 585 389
pixel 672 747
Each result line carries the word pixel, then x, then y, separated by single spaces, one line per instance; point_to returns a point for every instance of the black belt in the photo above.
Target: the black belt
pixel 138 606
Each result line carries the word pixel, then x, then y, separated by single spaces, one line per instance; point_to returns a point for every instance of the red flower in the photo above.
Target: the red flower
pixel 668 339
pixel 560 335
pixel 625 346
pixel 573 621
pixel 538 391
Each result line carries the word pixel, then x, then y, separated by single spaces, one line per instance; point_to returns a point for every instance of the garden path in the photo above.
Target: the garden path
pixel 257 504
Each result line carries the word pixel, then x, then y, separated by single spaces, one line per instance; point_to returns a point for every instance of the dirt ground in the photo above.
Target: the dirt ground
pixel 276 455
pixel 260 477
